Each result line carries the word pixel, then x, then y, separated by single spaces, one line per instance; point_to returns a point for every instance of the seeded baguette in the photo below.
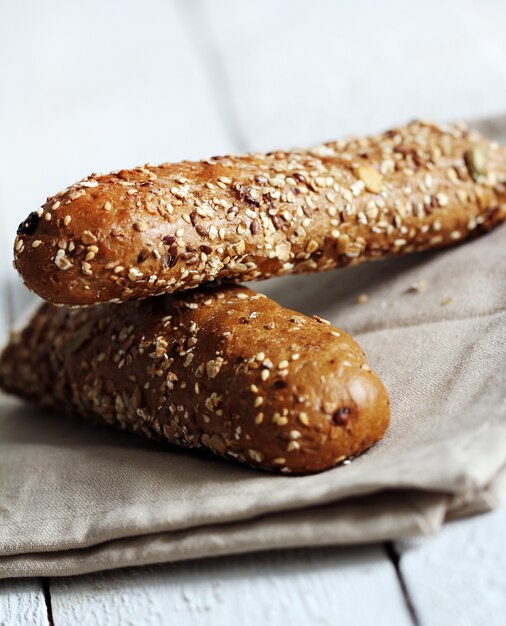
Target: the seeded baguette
pixel 151 230
pixel 218 368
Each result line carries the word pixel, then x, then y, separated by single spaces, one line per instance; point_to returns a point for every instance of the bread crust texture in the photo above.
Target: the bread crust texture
pixel 217 368
pixel 160 229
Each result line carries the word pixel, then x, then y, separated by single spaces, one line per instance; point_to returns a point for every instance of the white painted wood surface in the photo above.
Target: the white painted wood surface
pixel 95 86
pixel 459 577
pixel 98 85
pixel 301 72
pixel 22 603
pixel 349 586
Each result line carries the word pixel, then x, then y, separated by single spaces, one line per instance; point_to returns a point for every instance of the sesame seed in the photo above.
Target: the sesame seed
pixel 312 246
pixel 321 320
pixel 255 455
pixel 283 365
pixel 264 375
pixel 62 263
pixel 89 183
pixel 134 273
pixel 279 420
pixel 258 401
pixel 259 418
pixel 303 418
pixel 442 199
pixel 86 268
pixel 279 460
pixel 179 192
pixel 417 287
pixel 88 237
pixel 67 220
pixel 36 243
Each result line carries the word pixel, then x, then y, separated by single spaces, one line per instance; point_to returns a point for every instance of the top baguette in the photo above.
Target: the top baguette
pixel 136 233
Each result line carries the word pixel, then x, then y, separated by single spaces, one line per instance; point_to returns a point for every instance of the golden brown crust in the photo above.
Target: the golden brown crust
pixel 220 368
pixel 153 230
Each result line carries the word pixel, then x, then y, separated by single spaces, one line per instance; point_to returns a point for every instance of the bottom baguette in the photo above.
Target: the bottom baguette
pixel 221 368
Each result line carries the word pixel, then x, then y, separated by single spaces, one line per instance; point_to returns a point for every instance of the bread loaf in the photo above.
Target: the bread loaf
pixel 222 369
pixel 151 230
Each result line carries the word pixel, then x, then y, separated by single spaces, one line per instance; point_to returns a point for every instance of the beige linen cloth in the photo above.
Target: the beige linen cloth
pixel 75 498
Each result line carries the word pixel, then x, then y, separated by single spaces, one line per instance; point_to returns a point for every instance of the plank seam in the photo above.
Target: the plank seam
pixel 395 558
pixel 47 599
pixel 194 14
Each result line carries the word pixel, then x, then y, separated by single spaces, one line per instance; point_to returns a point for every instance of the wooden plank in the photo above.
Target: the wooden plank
pixel 304 72
pixel 22 603
pixel 324 586
pixel 459 576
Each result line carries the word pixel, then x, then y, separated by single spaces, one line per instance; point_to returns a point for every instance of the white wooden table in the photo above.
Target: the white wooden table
pixel 95 85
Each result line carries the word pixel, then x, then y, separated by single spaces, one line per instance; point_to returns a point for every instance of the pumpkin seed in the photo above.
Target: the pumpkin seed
pixel 371 178
pixel 475 162
pixel 82 335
